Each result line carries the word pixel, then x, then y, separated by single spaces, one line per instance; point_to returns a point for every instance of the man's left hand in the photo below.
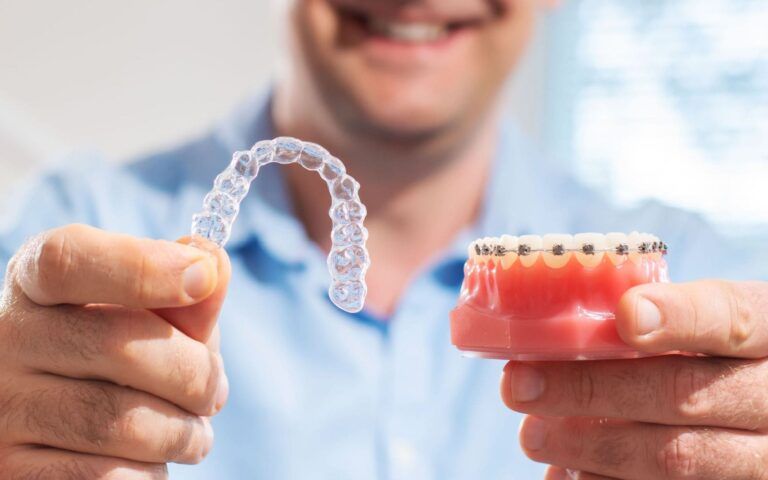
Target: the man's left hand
pixel 667 417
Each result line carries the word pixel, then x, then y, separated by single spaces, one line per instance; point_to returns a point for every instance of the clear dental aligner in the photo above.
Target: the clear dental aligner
pixel 556 249
pixel 348 260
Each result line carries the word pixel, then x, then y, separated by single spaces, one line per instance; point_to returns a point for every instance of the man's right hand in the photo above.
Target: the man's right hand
pixel 109 361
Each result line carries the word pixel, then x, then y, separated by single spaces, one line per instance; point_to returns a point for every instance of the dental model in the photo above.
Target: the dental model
pixel 348 260
pixel 551 297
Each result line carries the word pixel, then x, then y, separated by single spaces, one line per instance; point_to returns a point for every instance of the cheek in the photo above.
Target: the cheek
pixel 314 25
pixel 501 47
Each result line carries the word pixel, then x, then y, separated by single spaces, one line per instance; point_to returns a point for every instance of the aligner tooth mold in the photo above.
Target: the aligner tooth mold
pixel 348 259
pixel 552 297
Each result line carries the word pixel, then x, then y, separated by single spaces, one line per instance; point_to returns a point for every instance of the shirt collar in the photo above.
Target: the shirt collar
pixel 513 195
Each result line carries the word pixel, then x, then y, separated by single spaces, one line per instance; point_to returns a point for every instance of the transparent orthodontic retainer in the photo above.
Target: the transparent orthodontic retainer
pixel 348 259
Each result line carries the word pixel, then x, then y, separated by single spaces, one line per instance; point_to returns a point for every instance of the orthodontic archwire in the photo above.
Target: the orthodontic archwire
pixel 560 249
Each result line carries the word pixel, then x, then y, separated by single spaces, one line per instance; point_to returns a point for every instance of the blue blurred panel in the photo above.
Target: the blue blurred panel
pixel 669 100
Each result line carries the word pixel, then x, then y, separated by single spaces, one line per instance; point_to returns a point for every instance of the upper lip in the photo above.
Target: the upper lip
pixel 416 15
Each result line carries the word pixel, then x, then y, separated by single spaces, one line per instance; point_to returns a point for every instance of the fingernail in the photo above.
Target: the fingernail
pixel 572 474
pixel 198 278
pixel 208 429
pixel 223 391
pixel 526 383
pixel 208 445
pixel 534 433
pixel 647 316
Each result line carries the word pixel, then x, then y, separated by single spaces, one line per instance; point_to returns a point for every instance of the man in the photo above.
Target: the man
pixel 109 344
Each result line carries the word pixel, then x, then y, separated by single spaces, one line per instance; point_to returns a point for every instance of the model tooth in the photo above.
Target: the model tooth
pixel 590 248
pixel 494 243
pixel 663 248
pixel 528 249
pixel 471 253
pixel 634 240
pixel 479 257
pixel 617 242
pixel 648 241
pixel 484 246
pixel 558 249
pixel 510 244
pixel 655 247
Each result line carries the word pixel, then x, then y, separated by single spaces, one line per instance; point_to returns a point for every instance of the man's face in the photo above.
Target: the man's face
pixel 407 68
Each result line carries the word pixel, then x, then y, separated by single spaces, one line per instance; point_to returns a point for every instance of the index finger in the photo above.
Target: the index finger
pixel 78 264
pixel 712 317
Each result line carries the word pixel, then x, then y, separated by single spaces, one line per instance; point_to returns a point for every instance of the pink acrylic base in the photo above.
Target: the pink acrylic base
pixel 568 337
pixel 540 313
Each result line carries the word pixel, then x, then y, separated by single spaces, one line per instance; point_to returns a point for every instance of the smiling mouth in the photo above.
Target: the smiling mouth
pixel 406 31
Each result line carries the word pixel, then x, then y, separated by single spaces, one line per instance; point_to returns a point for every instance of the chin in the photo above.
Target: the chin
pixel 403 110
pixel 402 123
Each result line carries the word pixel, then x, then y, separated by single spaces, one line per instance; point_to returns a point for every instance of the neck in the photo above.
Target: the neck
pixel 419 196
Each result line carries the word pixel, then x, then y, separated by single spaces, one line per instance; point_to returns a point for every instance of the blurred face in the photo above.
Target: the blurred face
pixel 408 68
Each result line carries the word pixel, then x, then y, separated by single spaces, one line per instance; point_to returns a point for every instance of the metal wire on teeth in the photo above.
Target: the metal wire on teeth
pixel 348 260
pixel 497 250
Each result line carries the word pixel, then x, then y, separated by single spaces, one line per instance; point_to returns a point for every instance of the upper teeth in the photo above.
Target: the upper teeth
pixel 409 32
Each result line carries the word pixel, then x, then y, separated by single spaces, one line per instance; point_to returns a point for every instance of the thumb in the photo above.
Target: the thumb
pixel 198 321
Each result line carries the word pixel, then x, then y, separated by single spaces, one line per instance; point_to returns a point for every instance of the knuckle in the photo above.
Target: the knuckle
pixel 53 334
pixel 67 469
pixel 118 330
pixel 11 404
pixel 186 443
pixel 676 459
pixel 15 336
pixel 142 286
pixel 70 469
pixel 201 382
pixel 689 391
pixel 52 260
pixel 583 388
pixel 177 442
pixel 613 448
pixel 743 323
pixel 101 421
pixel 79 331
pixel 47 261
pixel 10 272
pixel 84 412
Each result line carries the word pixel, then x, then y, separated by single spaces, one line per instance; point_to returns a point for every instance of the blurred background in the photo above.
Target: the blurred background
pixel 665 99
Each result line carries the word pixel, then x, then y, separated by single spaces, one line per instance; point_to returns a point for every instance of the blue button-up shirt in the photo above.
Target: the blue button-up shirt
pixel 319 393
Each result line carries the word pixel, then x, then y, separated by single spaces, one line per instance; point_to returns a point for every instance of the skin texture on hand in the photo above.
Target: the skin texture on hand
pixel 109 355
pixel 667 417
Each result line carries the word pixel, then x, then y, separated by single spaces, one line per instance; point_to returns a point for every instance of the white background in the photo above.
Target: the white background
pixel 126 77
